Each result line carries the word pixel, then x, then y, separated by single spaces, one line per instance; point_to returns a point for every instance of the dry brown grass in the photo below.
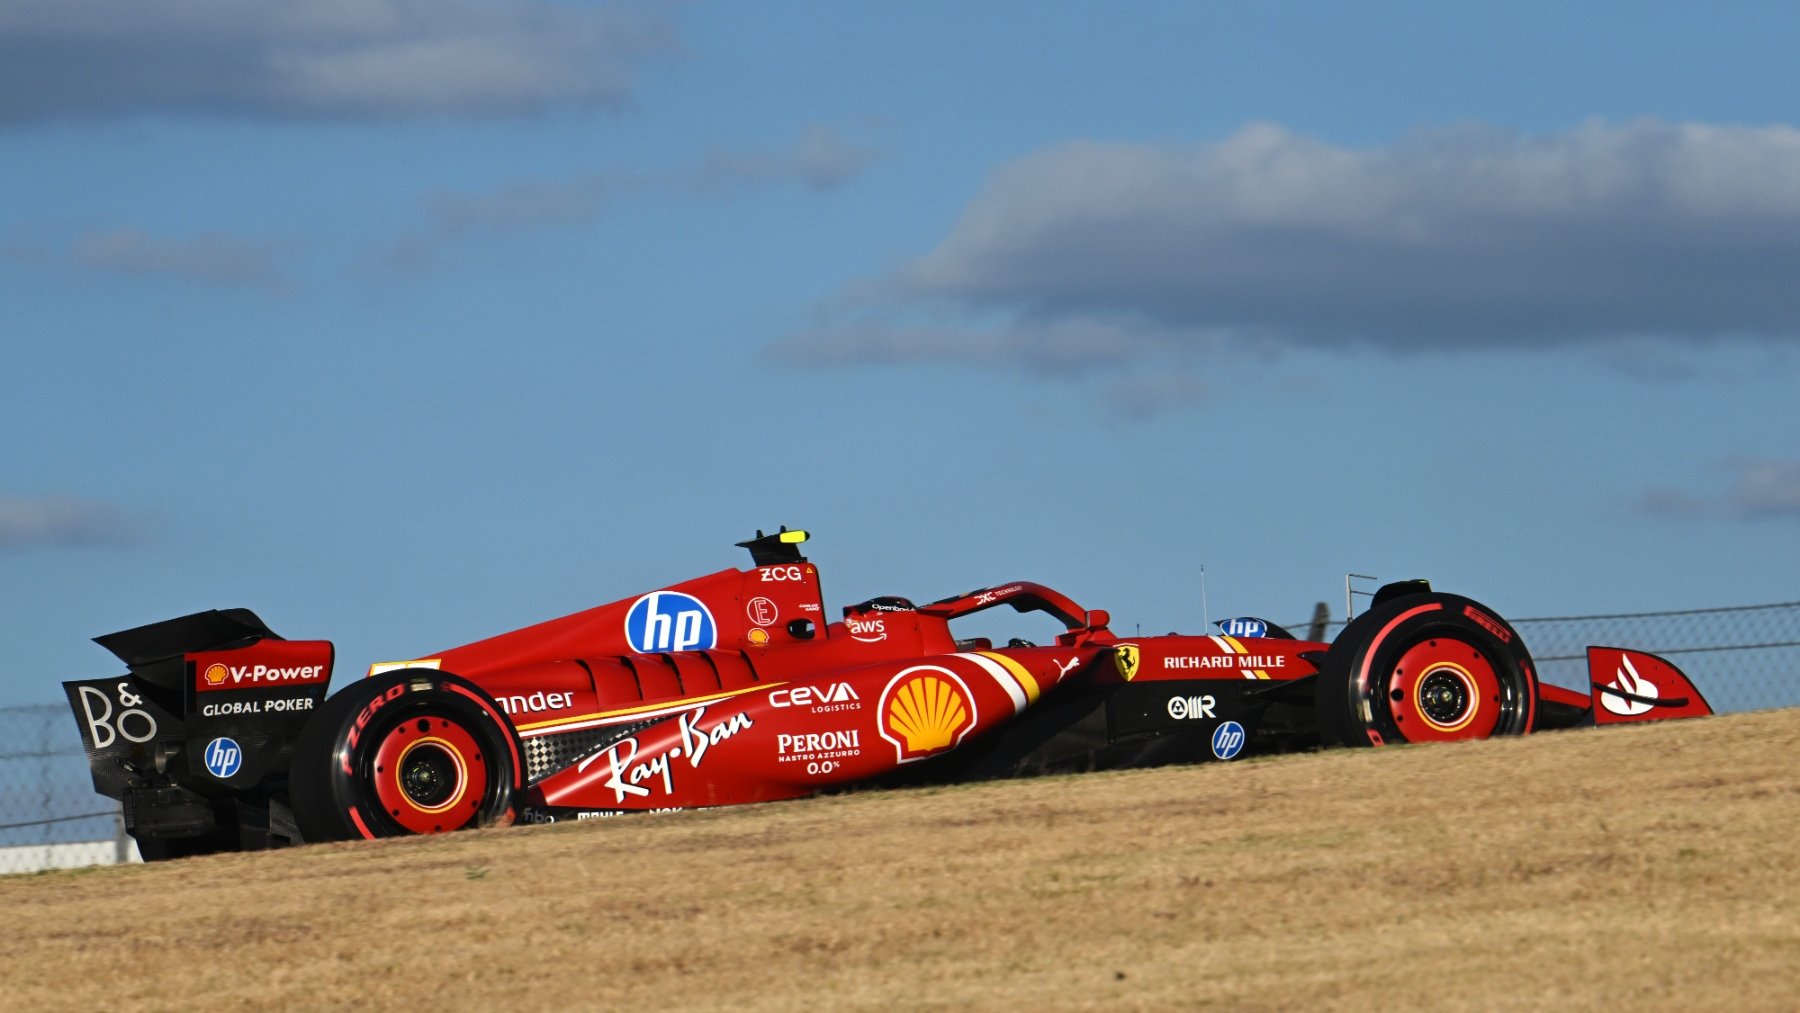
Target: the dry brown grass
pixel 1649 866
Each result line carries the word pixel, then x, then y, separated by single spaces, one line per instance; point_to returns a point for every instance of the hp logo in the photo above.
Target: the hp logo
pixel 223 758
pixel 670 621
pixel 1245 628
pixel 1228 740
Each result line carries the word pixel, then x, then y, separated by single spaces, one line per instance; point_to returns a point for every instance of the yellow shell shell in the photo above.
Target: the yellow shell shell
pixel 927 713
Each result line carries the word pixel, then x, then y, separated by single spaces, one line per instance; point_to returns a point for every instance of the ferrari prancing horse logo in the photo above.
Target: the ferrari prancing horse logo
pixel 1126 655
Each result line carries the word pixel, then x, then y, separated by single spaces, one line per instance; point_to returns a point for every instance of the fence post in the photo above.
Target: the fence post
pixel 121 839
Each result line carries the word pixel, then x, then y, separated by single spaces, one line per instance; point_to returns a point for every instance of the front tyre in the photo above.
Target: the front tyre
pixel 1426 667
pixel 410 752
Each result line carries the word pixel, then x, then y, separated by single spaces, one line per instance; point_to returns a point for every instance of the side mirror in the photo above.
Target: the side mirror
pixel 801 629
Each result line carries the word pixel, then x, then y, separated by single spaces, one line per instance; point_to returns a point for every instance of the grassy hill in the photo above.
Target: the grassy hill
pixel 1649 866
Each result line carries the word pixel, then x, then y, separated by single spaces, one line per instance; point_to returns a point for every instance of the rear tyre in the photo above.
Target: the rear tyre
pixel 410 752
pixel 1426 667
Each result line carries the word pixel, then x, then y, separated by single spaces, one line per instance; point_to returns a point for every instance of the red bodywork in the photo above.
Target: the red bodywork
pixel 737 687
pixel 763 694
pixel 732 688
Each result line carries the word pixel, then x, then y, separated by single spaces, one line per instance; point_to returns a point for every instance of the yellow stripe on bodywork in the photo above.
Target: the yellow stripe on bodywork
pixel 1238 646
pixel 1027 681
pixel 669 705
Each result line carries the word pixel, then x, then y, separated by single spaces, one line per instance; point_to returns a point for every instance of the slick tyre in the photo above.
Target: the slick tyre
pixel 1426 667
pixel 410 752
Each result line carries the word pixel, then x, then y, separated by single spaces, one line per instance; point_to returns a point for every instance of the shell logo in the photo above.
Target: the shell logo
pixel 926 710
pixel 215 675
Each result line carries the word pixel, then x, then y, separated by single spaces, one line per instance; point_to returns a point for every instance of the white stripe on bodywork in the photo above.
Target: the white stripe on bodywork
pixel 1003 677
pixel 1232 646
pixel 630 714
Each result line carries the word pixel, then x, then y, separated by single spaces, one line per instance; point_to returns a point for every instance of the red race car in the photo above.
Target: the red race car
pixel 734 687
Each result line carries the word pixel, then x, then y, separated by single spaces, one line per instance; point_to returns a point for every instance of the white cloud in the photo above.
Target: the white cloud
pixel 1667 502
pixel 519 206
pixel 1466 237
pixel 822 159
pixel 27 522
pixel 351 58
pixel 211 257
pixel 1069 345
pixel 1761 489
pixel 1765 488
pixel 1145 395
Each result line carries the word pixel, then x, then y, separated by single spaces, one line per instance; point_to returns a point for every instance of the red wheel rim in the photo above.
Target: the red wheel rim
pixel 429 775
pixel 1444 689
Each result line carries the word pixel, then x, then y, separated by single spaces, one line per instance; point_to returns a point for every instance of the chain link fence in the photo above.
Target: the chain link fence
pixel 50 817
pixel 1740 658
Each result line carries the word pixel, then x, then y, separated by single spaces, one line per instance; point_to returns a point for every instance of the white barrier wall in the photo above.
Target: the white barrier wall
pixel 38 857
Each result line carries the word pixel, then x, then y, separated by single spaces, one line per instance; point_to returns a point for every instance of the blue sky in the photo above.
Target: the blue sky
pixel 406 323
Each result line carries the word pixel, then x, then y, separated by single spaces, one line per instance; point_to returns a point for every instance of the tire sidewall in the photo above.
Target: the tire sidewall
pixel 332 785
pixel 1354 707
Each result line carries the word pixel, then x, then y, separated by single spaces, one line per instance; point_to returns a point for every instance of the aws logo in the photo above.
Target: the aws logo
pixel 663 621
pixel 926 710
pixel 869 631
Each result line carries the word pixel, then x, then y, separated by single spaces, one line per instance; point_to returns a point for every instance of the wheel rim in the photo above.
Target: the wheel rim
pixel 429 775
pixel 1444 688
pixel 1446 697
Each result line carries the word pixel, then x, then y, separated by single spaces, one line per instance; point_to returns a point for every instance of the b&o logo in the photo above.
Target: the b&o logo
pixel 670 621
pixel 1228 740
pixel 104 728
pixel 223 757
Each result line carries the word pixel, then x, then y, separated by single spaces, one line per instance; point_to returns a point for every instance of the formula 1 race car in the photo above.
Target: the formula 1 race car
pixel 733 687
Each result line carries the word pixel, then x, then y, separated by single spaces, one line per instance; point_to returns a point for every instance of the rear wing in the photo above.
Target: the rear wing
pixel 206 715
